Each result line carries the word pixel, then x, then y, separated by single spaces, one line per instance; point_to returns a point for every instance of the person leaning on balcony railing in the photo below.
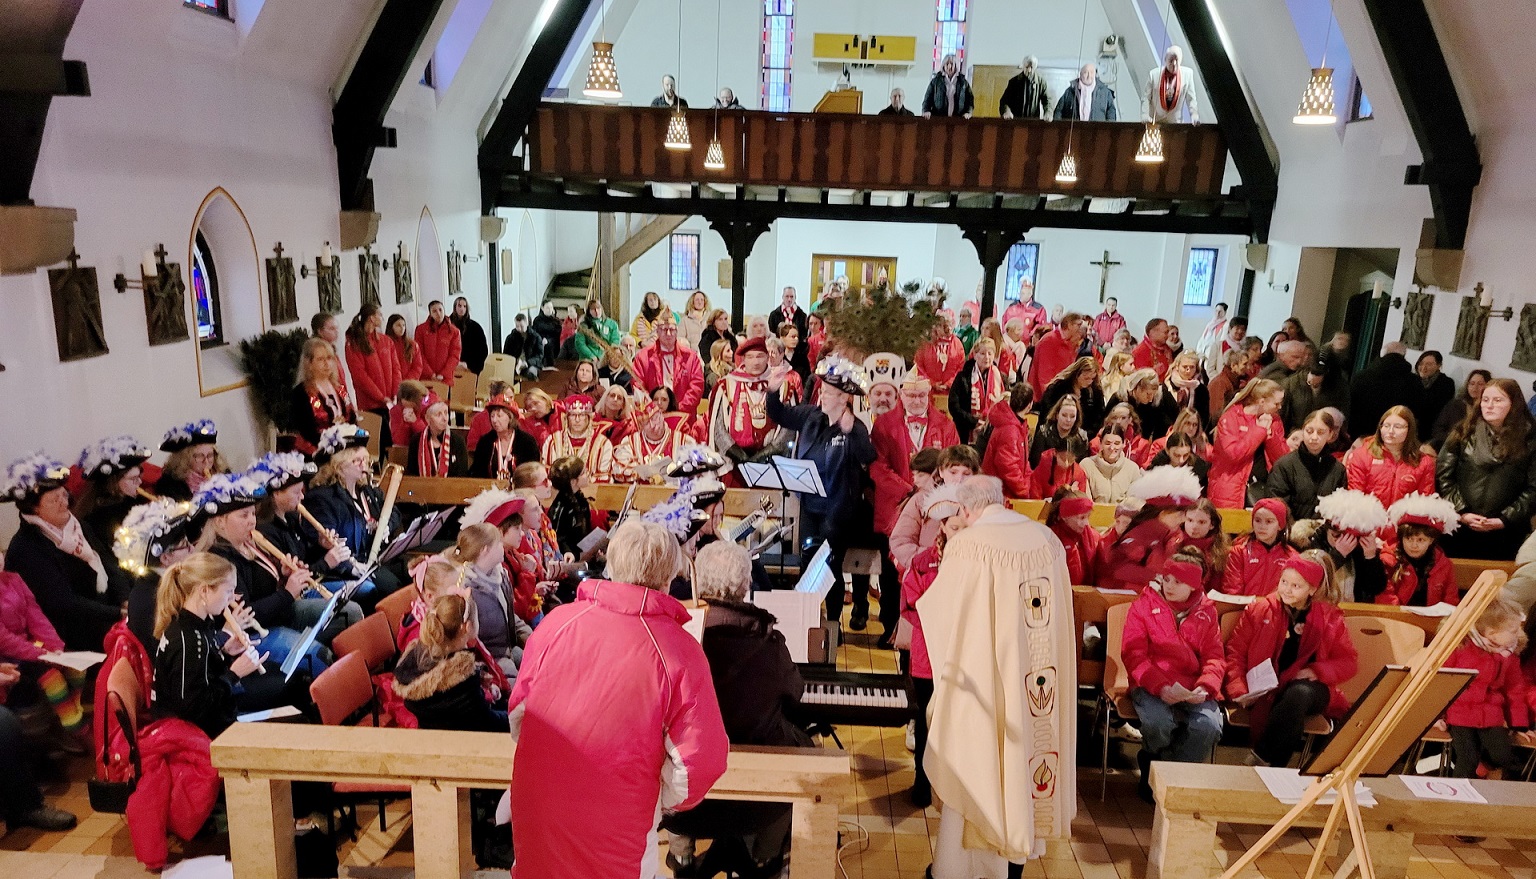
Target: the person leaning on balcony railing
pixel 669 97
pixel 949 93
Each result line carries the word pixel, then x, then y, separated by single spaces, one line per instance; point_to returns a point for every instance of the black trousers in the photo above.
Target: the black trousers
pixel 1471 745
pixel 816 529
pixel 890 587
pixel 19 793
pixel 1295 702
pixel 923 687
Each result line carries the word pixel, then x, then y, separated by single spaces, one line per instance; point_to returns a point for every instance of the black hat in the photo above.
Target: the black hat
pixel 339 437
pixel 843 374
pixel 196 433
pixel 149 531
pixel 696 461
pixel 112 456
pixel 227 492
pixel 279 470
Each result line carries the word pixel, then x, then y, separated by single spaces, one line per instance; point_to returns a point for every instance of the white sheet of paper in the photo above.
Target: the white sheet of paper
pixel 1289 786
pixel 79 660
pixel 1180 691
pixel 1434 610
pixel 591 540
pixel 1459 790
pixel 208 867
pixel 1262 678
pixel 277 713
pixel 1118 592
pixel 1224 598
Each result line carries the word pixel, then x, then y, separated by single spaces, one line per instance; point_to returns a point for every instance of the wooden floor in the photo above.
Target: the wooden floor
pixel 1110 839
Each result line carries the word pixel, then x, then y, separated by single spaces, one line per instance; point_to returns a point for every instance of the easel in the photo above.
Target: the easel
pixel 1423 670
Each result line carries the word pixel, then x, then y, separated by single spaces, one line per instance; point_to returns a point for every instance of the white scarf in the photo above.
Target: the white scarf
pixel 71 540
pixel 1084 99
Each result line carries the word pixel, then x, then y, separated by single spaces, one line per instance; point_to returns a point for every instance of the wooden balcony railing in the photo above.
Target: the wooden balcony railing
pixel 837 151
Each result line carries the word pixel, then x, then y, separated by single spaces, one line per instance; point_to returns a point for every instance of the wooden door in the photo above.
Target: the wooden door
pixel 861 271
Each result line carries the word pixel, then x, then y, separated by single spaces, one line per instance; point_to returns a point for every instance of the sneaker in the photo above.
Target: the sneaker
pixel 911 738
pixel 1126 733
pixel 48 818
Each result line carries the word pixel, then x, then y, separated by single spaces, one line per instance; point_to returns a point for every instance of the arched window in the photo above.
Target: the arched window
pixel 205 293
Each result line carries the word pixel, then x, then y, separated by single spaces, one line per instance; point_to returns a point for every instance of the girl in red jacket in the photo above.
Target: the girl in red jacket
pixel 1391 464
pixel 1250 423
pixel 1297 635
pixel 1422 575
pixel 1067 516
pixel 1138 555
pixel 1173 656
pixel 940 505
pixel 1481 718
pixel 1058 469
pixel 1253 565
pixel 1202 531
pixel 371 361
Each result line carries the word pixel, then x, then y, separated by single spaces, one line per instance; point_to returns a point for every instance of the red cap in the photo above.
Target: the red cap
pixel 749 346
pixel 503 512
pixel 578 403
pixel 1276 506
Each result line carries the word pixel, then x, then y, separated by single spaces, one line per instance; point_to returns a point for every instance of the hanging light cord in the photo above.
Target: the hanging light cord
pixel 1327 33
pixel 718 5
pixel 1081 36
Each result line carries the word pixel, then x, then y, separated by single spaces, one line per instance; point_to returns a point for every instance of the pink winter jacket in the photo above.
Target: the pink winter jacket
pixel 615 718
pixel 22 624
pixel 912 533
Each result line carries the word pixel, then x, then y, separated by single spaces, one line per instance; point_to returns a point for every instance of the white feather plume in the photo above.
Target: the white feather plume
pixel 482 505
pixel 1179 483
pixel 1349 509
pixel 1428 506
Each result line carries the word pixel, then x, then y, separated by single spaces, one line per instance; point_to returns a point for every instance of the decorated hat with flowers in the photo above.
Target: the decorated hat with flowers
pixel 502 401
pixel 703 492
pixel 336 438
pixel 696 461
pixel 678 515
pixel 32 477
pixel 149 531
pixel 845 375
pixel 1352 510
pixel 279 470
pixel 111 456
pixel 1167 487
pixel 1429 510
pixel 185 436
pixel 227 492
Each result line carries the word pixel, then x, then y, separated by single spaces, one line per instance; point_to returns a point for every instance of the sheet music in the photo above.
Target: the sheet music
pixel 1289 786
pixel 800 475
pixel 596 537
pixel 419 533
pixel 277 713
pixel 77 660
pixel 1434 610
pixel 1262 679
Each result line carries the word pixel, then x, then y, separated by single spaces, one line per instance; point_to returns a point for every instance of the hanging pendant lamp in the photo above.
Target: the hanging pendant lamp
pixel 1317 100
pixel 714 157
pixel 1066 172
pixel 677 131
pixel 603 75
pixel 1150 152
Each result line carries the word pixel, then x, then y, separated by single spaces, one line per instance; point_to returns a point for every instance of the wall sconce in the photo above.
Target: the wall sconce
pixel 454 251
pixel 150 270
pixel 1485 302
pixel 326 261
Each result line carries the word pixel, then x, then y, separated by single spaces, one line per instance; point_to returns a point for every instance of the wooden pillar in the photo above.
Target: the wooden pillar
pixel 1182 846
pixel 261 832
pixel 740 237
pixel 992 249
pixel 441 815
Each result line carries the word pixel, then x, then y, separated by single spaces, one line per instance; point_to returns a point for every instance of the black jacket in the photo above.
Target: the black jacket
pixel 1388 382
pixel 1432 401
pixel 1196 463
pixel 1026 97
pixel 263 593
pixel 524 450
pixel 936 98
pixel 1157 416
pixel 458 456
pixel 842 458
pixel 1505 489
pixel 101 524
pixel 1300 478
pixel 1047 437
pixel 338 512
pixel 65 587
pixel 473 347
pixel 710 336
pixel 294 536
pixel 1302 400
pixel 192 677
pixel 570 515
pixel 445 693
pixel 547 328
pixel 756 681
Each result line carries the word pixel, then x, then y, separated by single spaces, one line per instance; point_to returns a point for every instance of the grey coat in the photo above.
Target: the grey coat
pixel 1103 104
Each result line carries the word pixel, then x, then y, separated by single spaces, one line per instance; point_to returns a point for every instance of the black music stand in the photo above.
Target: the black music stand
pixel 785 475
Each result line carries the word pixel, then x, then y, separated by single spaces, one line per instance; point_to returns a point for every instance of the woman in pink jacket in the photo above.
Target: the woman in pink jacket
pixel 25 635
pixel 1391 464
pixel 940 505
pixel 615 718
pixel 915 532
pixel 1251 423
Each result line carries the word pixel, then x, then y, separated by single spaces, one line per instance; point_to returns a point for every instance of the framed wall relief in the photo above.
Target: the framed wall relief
pixel 1418 306
pixel 368 276
pixel 165 309
pixel 328 278
pixel 77 311
pixel 282 299
pixel 455 271
pixel 1524 357
pixel 1471 327
pixel 402 276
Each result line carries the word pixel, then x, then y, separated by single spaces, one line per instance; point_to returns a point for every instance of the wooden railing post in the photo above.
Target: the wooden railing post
pixel 813 838
pixel 261 827
pixel 441 831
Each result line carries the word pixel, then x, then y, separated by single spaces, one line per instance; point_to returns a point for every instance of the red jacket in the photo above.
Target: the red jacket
pixel 1147 355
pixel 1047 477
pixel 438 348
pixel 1238 439
pixel 1496 697
pixel 892 469
pixel 1132 561
pixel 687 374
pixel 112 764
pixel 1253 568
pixel 1007 455
pixel 1053 353
pixel 1403 581
pixel 1159 651
pixel 479 426
pixel 176 792
pixel 1387 477
pixel 1085 551
pixel 376 376
pixel 941 374
pixel 1325 648
pixel 925 567
pixel 22 624
pixel 412 368
pixel 401 432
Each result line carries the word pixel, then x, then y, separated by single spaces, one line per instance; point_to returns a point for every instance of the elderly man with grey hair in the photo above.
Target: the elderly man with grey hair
pixel 998 625
pixel 1290 357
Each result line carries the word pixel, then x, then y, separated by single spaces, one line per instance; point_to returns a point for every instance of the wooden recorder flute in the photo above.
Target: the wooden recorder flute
pixel 286 560
pixel 232 626
pixel 330 538
pixel 392 476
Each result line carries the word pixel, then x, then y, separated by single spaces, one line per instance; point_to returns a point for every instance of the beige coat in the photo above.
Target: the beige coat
pixel 1110 483
pixel 1003 730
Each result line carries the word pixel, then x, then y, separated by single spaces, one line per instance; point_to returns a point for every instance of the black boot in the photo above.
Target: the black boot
pixel 1144 784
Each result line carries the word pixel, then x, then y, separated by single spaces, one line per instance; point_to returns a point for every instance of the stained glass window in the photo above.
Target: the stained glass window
pixel 1023 266
pixel 685 261
pixel 778 50
pixel 213 7
pixel 1200 282
pixel 205 295
pixel 949 32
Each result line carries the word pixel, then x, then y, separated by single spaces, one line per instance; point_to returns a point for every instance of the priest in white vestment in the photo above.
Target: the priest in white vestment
pixel 1003 721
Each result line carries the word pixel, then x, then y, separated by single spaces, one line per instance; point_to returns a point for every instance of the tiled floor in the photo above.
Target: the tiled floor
pixel 1109 839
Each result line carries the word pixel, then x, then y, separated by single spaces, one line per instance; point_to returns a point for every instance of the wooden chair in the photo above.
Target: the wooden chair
pixel 501 367
pixel 1379 642
pixel 372 637
pixel 372 423
pixel 400 455
pixel 461 397
pixel 343 694
pixel 1228 622
pixel 124 701
pixel 436 388
pixel 395 606
pixel 1115 696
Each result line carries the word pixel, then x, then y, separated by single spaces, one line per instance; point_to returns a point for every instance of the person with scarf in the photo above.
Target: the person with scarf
pixel 1170 93
pixel 114 470
pixel 373 365
pixel 578 436
pixel 1299 478
pixel 407 418
pixel 739 424
pixel 1110 473
pixel 1185 387
pixel 648 447
pixel 787 312
pixel 977 388
pixel 1138 555
pixel 506 446
pixel 440 344
pixel 941 357
pixel 1174 662
pixel 1067 516
pixel 611 414
pixel 437 451
pixel 194 456
pixel 667 363
pixel 344 499
pixel 1152 352
pixel 538 418
pixel 320 398
pixel 1155 408
pixel 77 592
pixel 592 327
pixel 1253 565
pixel 1202 531
pixel 949 94
pixel 651 310
pixel 1249 427
pixel 1026 310
pixel 473 348
pixel 1087 99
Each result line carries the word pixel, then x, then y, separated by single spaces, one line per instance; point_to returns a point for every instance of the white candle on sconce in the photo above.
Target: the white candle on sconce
pixel 1376 289
pixel 1485 299
pixel 150 266
pixel 325 253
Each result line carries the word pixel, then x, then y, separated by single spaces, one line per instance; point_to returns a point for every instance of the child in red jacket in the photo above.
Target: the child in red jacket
pixel 1058 469
pixel 1173 655
pixel 1253 565
pixel 1137 556
pixel 1202 531
pixel 1481 718
pixel 940 505
pixel 1299 633
pixel 1422 575
pixel 1067 516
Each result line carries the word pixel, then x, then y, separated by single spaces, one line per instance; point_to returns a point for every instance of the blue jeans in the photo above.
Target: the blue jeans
pixel 282 641
pixel 1183 733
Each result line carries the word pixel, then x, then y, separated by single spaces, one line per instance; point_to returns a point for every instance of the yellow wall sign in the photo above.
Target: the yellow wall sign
pixel 864 50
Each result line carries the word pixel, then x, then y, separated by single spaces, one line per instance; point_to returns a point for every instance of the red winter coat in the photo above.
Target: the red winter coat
pixel 176 792
pixel 925 567
pixel 401 432
pixel 1085 552
pixel 1253 568
pixel 411 368
pixel 1053 353
pixel 1007 455
pixel 119 644
pixel 1133 560
pixel 687 374
pixel 1325 648
pixel 22 624
pixel 1496 697
pixel 1047 477
pixel 376 376
pixel 1159 651
pixel 1147 355
pixel 892 469
pixel 1403 582
pixel 941 375
pixel 1238 439
pixel 438 347
pixel 1387 477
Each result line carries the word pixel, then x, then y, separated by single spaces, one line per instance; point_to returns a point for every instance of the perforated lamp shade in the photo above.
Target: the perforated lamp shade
pixel 1317 101
pixel 1150 152
pixel 714 157
pixel 603 75
pixel 677 132
pixel 1066 172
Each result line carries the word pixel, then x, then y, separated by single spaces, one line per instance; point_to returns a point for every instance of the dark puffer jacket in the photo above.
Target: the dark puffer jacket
pixel 445 693
pixel 755 679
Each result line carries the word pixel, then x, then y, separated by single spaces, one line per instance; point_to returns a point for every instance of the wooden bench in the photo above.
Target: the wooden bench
pixel 1192 798
pixel 441 767
pixel 739 502
pixel 443 491
pixel 1468 570
pixel 1233 522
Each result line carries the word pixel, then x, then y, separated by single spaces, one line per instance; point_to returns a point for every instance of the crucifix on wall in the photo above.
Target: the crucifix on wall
pixel 1104 265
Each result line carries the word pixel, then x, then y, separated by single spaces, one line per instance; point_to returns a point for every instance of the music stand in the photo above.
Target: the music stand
pixel 420 532
pixel 307 639
pixel 784 475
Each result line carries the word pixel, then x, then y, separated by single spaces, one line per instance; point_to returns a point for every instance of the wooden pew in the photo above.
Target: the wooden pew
pixel 739 502
pixel 443 491
pixel 1090 607
pixel 1468 570
pixel 1233 522
pixel 259 770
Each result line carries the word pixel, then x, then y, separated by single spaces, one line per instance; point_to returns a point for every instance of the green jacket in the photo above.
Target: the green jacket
pixel 588 349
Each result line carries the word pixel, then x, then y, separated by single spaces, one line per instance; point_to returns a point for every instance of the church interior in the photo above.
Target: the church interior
pixel 195 193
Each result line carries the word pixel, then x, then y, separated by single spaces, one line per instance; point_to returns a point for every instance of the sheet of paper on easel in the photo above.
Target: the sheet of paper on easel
pixel 1457 790
pixel 1262 678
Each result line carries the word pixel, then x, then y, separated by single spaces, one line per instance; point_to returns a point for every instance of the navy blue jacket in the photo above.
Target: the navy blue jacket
pixel 842 458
